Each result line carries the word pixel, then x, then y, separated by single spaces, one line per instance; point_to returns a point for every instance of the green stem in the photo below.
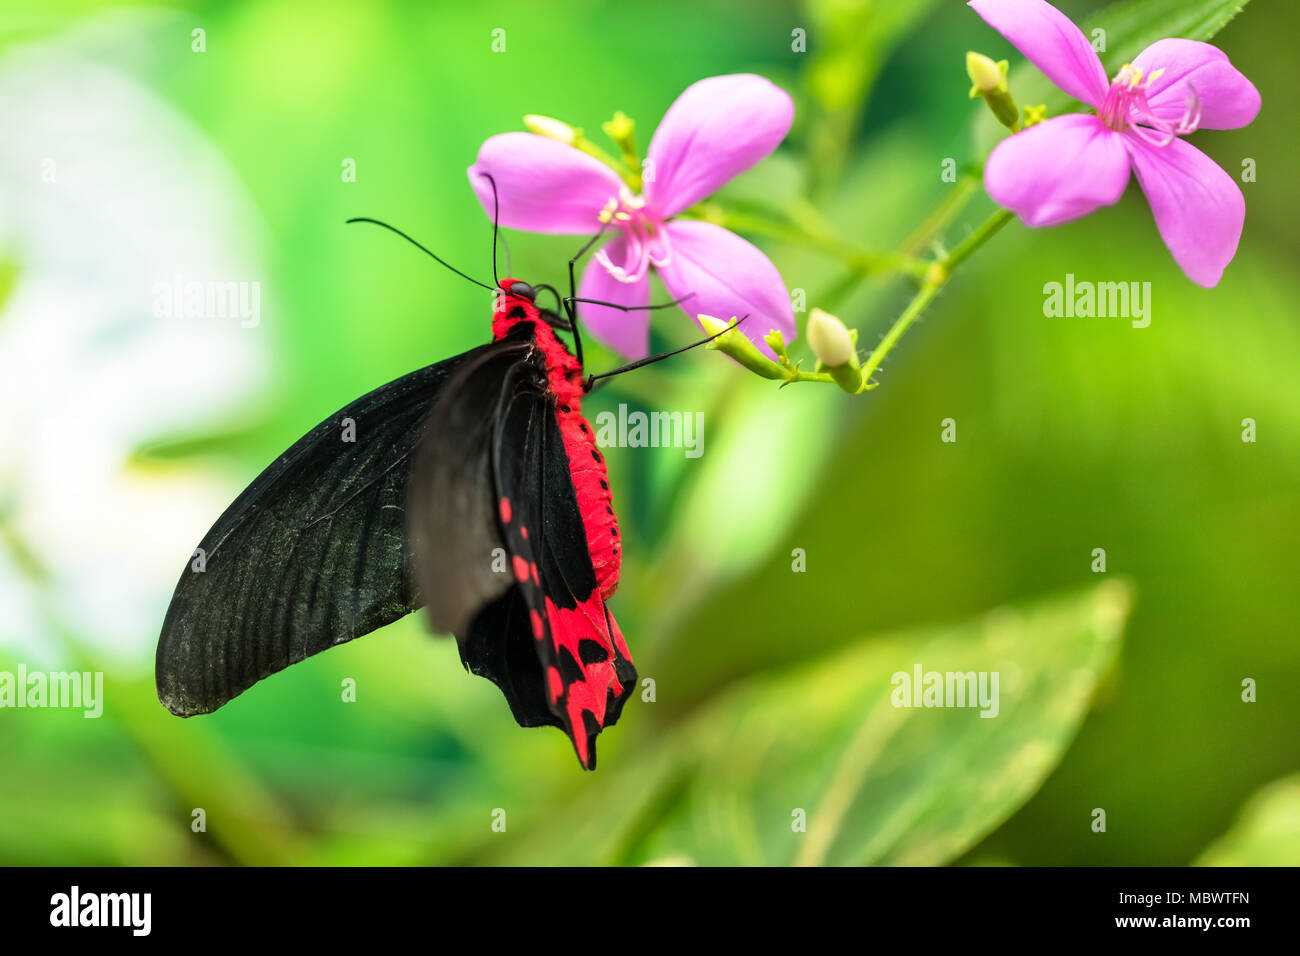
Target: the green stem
pixel 924 296
pixel 862 262
pixel 983 234
pixel 798 375
pixel 942 216
pixel 939 274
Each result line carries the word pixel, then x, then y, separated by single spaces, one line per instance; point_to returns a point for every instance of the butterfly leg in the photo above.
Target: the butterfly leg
pixel 592 379
pixel 573 289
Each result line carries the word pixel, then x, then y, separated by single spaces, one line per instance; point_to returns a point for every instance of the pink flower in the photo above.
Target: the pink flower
pixel 717 128
pixel 1068 166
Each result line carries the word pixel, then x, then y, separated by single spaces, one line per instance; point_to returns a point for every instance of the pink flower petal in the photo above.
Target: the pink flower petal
pixel 726 276
pixel 1058 170
pixel 1051 41
pixel 1200 71
pixel 1198 207
pixel 543 185
pixel 717 128
pixel 627 333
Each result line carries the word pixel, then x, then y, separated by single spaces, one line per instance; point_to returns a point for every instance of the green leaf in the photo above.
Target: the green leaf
pixel 1130 27
pixel 1266 834
pixel 878 784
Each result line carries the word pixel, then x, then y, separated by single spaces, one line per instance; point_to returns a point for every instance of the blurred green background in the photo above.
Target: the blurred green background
pixel 1120 691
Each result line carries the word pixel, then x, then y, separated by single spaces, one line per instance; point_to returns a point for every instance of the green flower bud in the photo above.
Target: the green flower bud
pixel 986 75
pixel 776 342
pixel 989 81
pixel 620 129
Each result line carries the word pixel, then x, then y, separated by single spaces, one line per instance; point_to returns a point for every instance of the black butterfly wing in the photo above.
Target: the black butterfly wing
pixel 312 554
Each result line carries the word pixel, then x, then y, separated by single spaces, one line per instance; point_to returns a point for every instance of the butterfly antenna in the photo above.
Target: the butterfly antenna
pixel 634 308
pixel 441 261
pixel 496 224
pixel 592 379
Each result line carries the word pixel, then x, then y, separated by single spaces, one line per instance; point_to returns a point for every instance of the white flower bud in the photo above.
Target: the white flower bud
pixel 829 339
pixel 552 128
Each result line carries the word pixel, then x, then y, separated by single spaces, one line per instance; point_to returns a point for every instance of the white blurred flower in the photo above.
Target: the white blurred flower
pixel 105 191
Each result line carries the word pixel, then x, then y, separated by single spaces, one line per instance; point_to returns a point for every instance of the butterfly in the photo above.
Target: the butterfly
pixel 473 487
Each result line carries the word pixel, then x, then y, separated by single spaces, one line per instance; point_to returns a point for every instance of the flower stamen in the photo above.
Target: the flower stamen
pixel 647 243
pixel 1126 108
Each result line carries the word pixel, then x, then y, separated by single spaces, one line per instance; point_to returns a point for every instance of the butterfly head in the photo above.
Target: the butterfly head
pixel 514 301
pixel 516 305
pixel 519 288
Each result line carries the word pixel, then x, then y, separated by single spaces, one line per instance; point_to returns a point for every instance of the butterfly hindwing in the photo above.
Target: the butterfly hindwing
pixel 586 670
pixel 463 567
pixel 312 554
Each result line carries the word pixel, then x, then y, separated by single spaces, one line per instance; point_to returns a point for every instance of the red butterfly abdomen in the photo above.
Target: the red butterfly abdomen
pixel 591 482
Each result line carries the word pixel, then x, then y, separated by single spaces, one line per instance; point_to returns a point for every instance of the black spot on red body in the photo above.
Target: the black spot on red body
pixel 570 670
pixel 591 652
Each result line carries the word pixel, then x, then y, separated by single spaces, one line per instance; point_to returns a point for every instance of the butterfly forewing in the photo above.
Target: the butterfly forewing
pixel 312 554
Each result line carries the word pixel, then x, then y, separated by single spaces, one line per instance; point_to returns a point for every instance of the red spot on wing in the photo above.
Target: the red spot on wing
pixel 537 624
pixel 521 567
pixel 505 510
